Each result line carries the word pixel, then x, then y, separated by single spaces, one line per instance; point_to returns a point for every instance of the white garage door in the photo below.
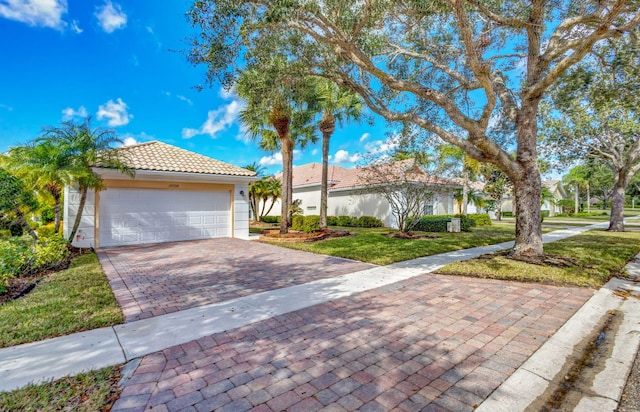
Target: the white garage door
pixel 135 216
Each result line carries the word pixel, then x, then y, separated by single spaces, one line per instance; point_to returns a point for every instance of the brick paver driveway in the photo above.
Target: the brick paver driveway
pixel 431 343
pixel 152 280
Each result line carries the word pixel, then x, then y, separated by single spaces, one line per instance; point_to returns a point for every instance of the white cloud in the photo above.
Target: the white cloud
pixel 129 141
pixel 343 156
pixel 185 99
pixel 6 107
pixel 364 137
pixel 379 146
pixel 274 159
pixel 75 27
pixel 69 113
pixel 217 121
pixel 314 152
pixel 41 13
pixel 111 17
pixel 116 112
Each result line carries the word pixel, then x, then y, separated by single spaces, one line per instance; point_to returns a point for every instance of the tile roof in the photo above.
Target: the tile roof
pixel 163 157
pixel 341 178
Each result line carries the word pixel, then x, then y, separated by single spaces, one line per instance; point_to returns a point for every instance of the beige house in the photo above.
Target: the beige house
pixel 557 191
pixel 176 195
pixel 350 194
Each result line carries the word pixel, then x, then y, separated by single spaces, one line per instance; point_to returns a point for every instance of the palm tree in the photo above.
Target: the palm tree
pixel 85 148
pixel 16 200
pixel 453 157
pixel 273 192
pixel 336 105
pixel 43 166
pixel 277 112
pixel 255 188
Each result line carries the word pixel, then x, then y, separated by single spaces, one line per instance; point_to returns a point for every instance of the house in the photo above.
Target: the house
pixel 175 195
pixel 350 192
pixel 554 187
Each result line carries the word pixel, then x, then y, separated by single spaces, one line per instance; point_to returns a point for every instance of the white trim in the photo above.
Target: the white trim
pixel 176 176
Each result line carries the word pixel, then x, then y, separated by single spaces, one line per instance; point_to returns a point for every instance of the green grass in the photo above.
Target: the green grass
pixel 90 391
pixel 369 245
pixel 600 218
pixel 597 256
pixel 73 300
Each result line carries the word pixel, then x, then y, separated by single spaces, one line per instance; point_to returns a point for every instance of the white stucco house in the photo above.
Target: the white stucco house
pixel 349 194
pixel 175 195
pixel 557 190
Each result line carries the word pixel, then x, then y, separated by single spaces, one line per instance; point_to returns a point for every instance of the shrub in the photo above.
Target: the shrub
pixel 481 219
pixel 507 214
pixel 271 219
pixel 332 221
pixel 545 213
pixel 5 233
pixel 369 221
pixel 310 223
pixel 429 223
pixel 297 222
pixel 23 255
pixel 51 253
pixel 346 221
pixel 45 231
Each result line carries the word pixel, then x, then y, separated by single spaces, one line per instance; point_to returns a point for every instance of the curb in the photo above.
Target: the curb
pixel 537 374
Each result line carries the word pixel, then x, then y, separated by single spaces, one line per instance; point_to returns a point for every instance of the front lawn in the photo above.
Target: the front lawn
pixel 92 391
pixel 72 300
pixel 589 260
pixel 370 245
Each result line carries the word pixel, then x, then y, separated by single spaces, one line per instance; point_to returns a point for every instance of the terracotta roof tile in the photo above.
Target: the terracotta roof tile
pixel 167 158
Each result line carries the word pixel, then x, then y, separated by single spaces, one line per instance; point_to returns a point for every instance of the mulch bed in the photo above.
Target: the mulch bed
pixel 273 235
pixel 23 284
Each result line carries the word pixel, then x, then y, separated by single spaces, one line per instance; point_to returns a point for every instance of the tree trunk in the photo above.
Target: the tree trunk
pixel 588 198
pixel 56 210
pixel 616 221
pixel 576 199
pixel 25 225
pixel 327 127
pixel 465 190
pixel 76 223
pixel 527 185
pixel 287 164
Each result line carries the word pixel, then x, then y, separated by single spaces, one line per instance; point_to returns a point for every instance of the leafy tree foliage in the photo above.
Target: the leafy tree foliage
pixel 16 201
pixel 595 115
pixel 446 67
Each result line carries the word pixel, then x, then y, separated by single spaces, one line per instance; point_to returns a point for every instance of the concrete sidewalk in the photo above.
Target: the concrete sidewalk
pixel 54 358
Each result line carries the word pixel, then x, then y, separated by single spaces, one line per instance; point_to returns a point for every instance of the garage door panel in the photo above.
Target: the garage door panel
pixel 133 216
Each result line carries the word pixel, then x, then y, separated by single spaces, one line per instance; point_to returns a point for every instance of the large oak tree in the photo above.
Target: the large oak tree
pixel 450 67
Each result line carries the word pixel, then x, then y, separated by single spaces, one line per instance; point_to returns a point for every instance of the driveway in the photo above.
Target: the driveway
pixel 152 280
pixel 430 343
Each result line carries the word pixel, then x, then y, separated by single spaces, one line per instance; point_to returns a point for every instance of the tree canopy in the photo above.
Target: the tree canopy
pixel 451 67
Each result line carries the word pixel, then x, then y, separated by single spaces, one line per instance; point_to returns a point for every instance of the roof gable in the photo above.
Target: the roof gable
pixel 162 157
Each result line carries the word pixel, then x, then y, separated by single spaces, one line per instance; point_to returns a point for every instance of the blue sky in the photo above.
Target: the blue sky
pixel 113 60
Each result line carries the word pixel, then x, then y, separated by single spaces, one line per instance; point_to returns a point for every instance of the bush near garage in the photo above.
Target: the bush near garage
pixel 369 221
pixel 438 223
pixel 297 222
pixel 481 219
pixel 22 256
pixel 270 219
pixel 311 223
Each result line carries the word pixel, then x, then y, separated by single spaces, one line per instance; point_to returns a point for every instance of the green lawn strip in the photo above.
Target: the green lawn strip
pixel 92 391
pixel 369 245
pixel 73 300
pixel 599 255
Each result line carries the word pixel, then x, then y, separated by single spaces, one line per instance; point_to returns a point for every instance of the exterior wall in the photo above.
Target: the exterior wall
pixel 85 236
pixel 358 203
pixel 240 211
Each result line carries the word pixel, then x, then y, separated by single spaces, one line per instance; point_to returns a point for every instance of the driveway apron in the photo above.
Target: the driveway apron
pixel 152 280
pixel 431 342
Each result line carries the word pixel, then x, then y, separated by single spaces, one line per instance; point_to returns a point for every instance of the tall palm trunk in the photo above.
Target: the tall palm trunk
pixel 25 225
pixel 76 223
pixel 465 190
pixel 327 127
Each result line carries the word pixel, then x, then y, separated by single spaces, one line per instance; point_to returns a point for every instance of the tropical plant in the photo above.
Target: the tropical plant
pixel 277 112
pixel 85 149
pixel 497 185
pixel 43 166
pixel 336 105
pixel 453 158
pixel 16 201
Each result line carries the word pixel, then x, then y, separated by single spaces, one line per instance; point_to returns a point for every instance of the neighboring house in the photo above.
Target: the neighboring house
pixel 557 191
pixel 176 195
pixel 349 194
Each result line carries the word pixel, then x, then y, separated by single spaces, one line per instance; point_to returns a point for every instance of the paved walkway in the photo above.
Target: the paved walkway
pixel 157 279
pixel 477 328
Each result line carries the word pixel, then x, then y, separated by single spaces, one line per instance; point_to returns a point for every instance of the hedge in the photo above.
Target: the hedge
pixel 352 221
pixel 481 219
pixel 271 219
pixel 438 223
pixel 297 222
